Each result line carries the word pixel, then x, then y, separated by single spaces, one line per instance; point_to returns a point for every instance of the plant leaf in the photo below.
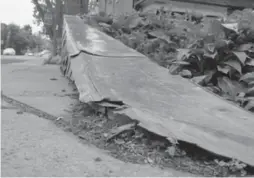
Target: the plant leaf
pixel 231 26
pixel 226 85
pixel 181 62
pixel 235 65
pixel 175 69
pixel 213 89
pixel 239 87
pixel 240 98
pixel 249 105
pixel 206 79
pixel 251 84
pixel 245 47
pixel 250 62
pixel 249 77
pixel 241 56
pixel 183 54
pixel 199 80
pixel 250 92
pixel 210 50
pixel 249 98
pixel 224 69
pixel 131 21
pixel 197 51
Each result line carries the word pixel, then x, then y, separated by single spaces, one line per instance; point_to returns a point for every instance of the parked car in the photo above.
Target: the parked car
pixel 44 53
pixel 9 51
pixel 29 54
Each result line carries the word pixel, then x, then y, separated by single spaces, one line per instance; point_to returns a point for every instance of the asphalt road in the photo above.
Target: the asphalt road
pixel 8 61
pixel 16 59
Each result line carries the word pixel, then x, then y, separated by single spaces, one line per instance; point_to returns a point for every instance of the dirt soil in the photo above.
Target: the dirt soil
pixel 136 145
pixel 32 146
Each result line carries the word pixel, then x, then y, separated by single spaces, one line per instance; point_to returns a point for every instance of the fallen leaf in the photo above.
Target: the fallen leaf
pixel 118 130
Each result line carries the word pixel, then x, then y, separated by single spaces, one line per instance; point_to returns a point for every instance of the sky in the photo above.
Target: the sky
pixel 19 12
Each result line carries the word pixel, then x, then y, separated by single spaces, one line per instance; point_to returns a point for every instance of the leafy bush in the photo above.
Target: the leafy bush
pixel 217 54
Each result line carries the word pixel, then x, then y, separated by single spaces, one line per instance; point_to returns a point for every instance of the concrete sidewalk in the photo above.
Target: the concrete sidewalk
pixel 33 146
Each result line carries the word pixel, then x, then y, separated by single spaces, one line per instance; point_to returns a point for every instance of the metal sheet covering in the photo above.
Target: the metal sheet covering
pixel 91 40
pixel 164 104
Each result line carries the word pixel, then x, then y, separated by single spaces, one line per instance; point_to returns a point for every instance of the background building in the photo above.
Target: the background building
pixel 206 7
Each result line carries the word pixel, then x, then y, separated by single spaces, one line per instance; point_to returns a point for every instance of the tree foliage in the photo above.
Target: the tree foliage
pixel 13 36
pixel 41 7
pixel 28 29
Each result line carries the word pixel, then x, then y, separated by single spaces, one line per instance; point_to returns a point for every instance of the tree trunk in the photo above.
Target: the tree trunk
pixel 57 26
